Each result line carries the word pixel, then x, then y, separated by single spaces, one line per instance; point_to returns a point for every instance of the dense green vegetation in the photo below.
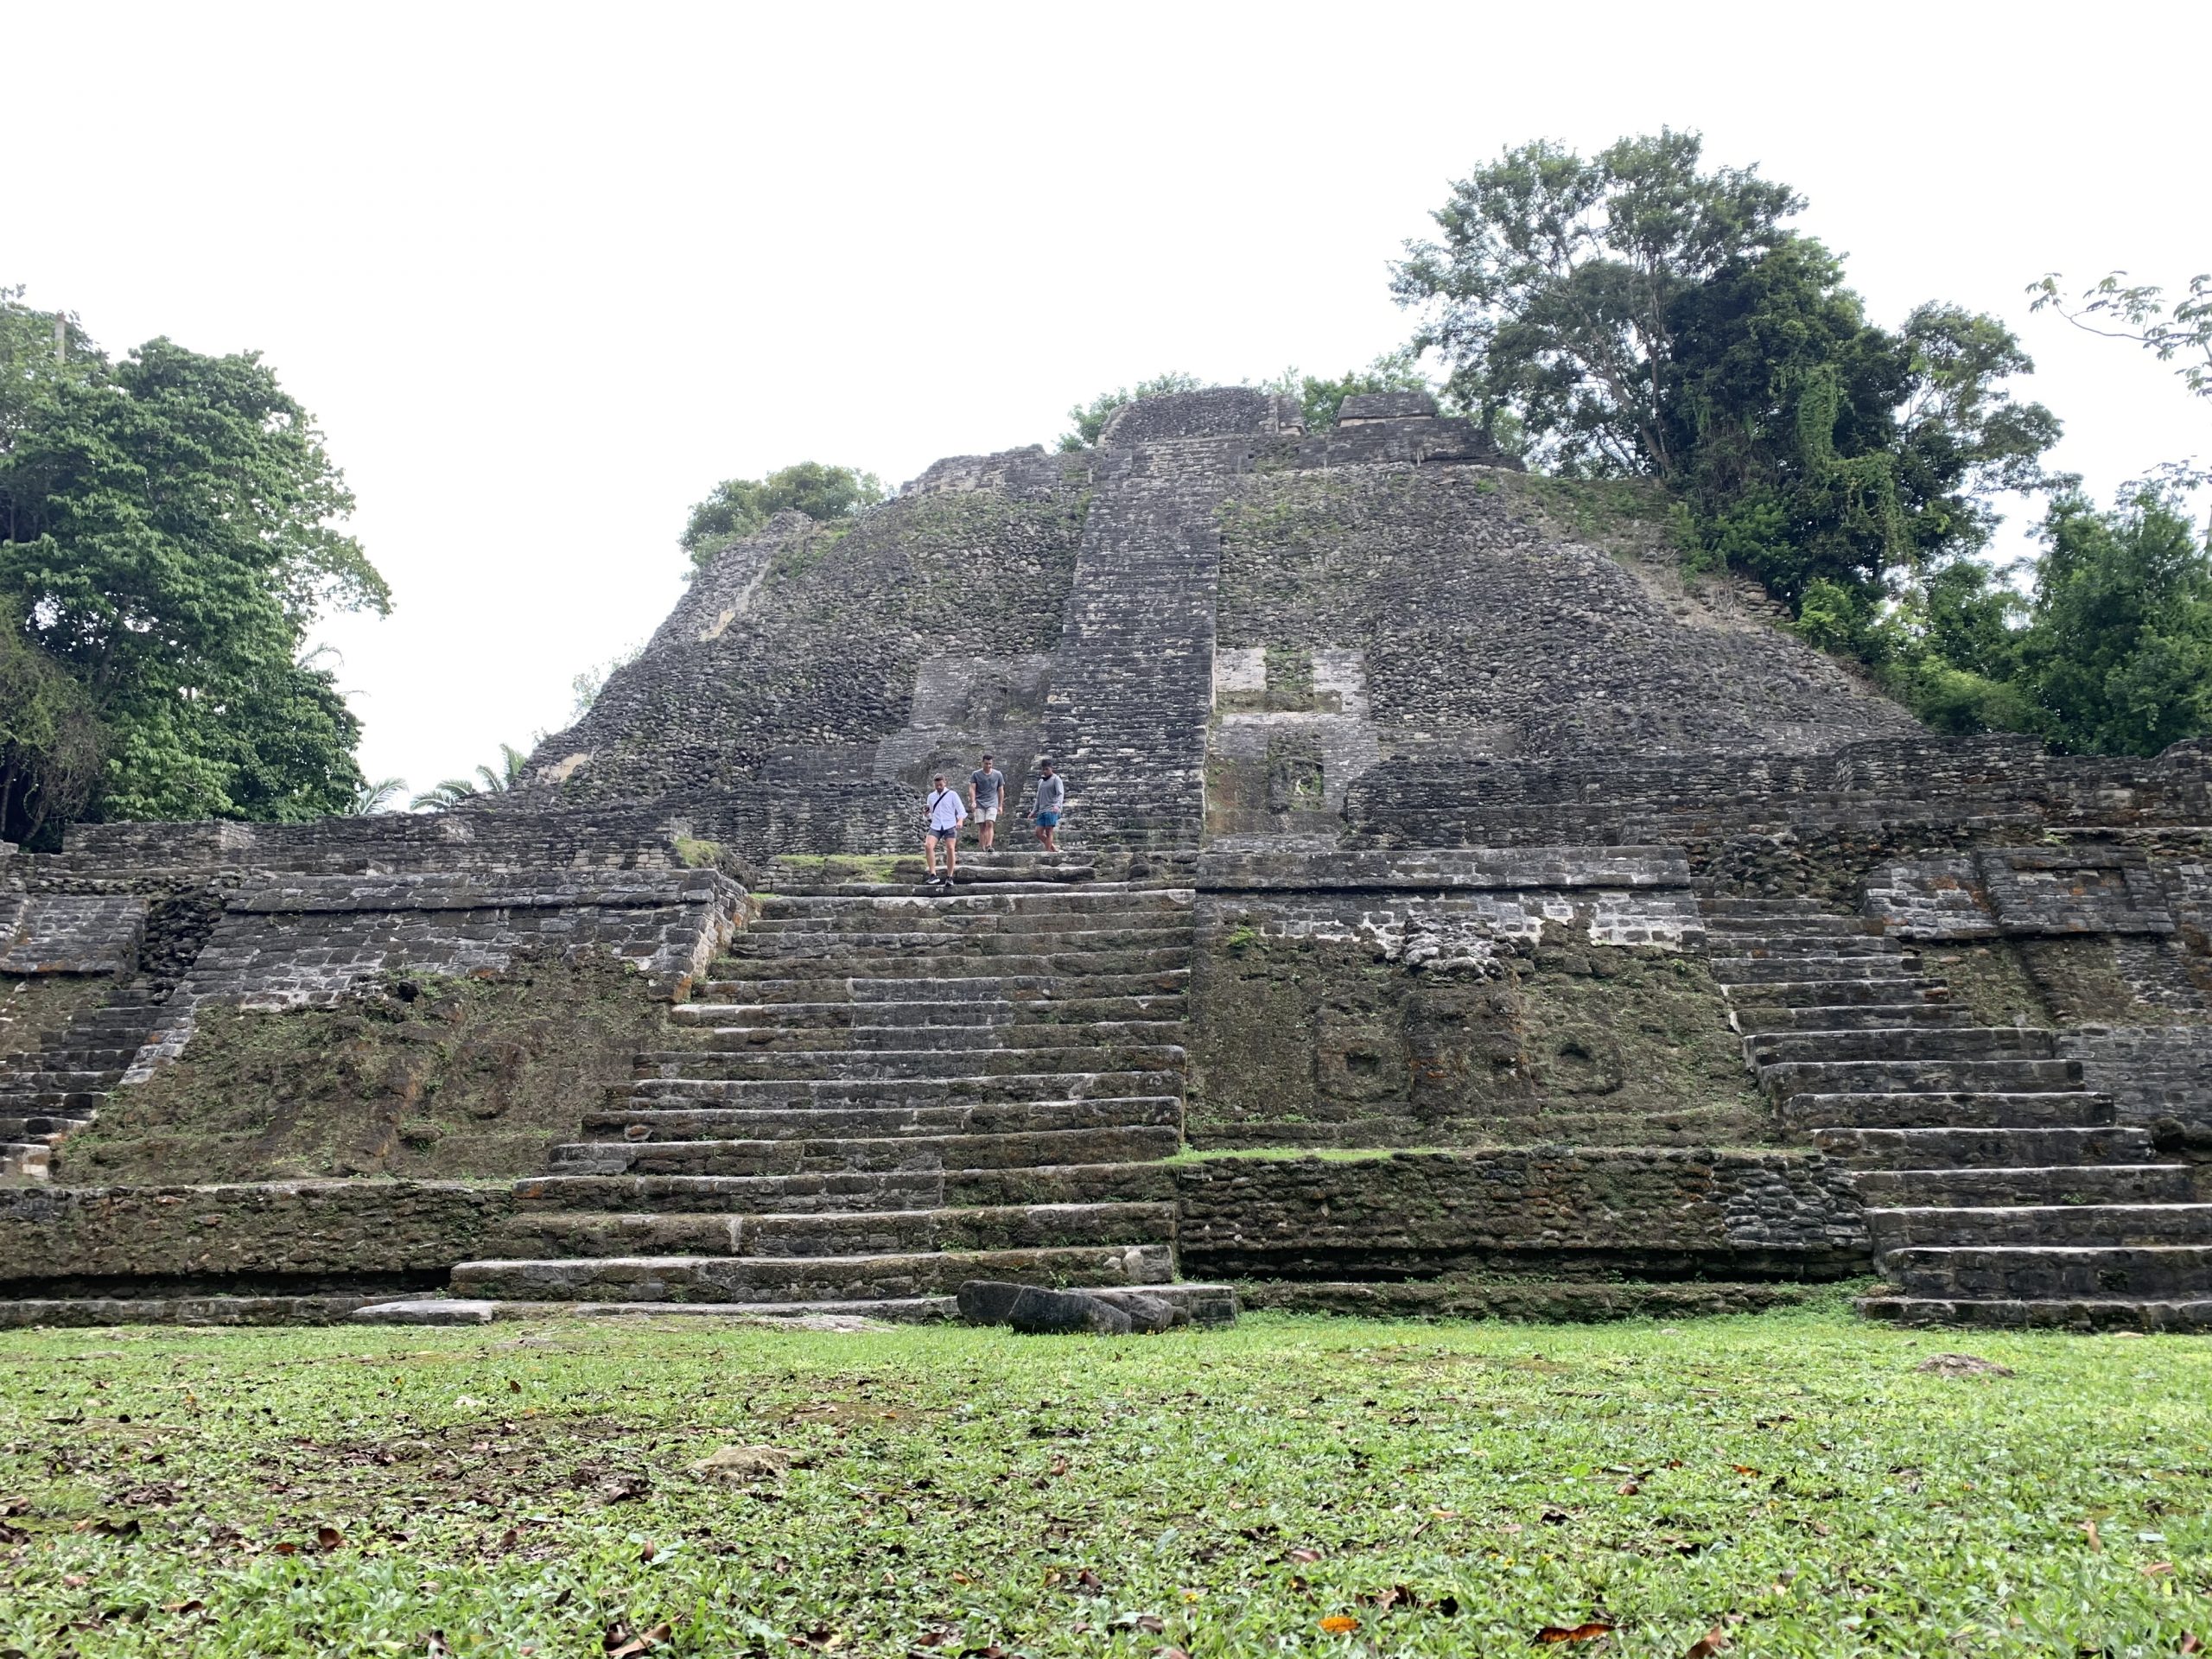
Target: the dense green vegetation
pixel 168 536
pixel 1633 313
pixel 1791 1484
pixel 738 507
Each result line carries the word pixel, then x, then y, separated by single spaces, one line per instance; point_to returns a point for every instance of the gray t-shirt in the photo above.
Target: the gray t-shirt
pixel 987 785
pixel 1051 792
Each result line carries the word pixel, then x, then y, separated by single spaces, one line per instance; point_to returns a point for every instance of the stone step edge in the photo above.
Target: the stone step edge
pixel 1209 1305
pixel 2150 1314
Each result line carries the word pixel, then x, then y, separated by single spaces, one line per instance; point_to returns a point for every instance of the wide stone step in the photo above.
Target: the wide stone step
pixel 2031 1184
pixel 1202 1304
pixel 2066 1110
pixel 1015 988
pixel 1031 932
pixel 849 1190
pixel 1854 945
pixel 1931 1148
pixel 1767 970
pixel 1107 898
pixel 655 1123
pixel 1757 1021
pixel 761 1093
pixel 40 1126
pixel 879 1232
pixel 1785 1078
pixel 1963 1043
pixel 2076 1314
pixel 1835 993
pixel 55 1103
pixel 1116 1144
pixel 2041 1225
pixel 984 938
pixel 716 1060
pixel 916 1015
pixel 2047 1272
pixel 869 1039
pixel 1793 925
pixel 731 972
pixel 823 1278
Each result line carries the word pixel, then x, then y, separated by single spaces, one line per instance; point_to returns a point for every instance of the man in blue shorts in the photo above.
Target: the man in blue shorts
pixel 947 812
pixel 1051 795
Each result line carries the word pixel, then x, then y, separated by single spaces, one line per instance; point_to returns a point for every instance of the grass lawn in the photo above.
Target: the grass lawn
pixel 1792 1482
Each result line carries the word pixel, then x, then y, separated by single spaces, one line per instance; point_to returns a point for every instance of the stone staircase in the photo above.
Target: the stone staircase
pixel 48 1093
pixel 1131 695
pixel 886 1091
pixel 1999 1189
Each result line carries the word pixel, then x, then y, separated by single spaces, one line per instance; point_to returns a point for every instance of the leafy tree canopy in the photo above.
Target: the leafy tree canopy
pixel 1634 314
pixel 168 536
pixel 738 507
pixel 2181 328
pixel 2117 656
pixel 1089 419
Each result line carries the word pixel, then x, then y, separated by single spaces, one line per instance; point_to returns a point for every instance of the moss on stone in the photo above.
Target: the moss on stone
pixel 1314 1043
pixel 35 1007
pixel 424 1078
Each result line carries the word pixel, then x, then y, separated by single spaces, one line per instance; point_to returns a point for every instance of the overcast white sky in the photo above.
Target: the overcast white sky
pixel 544 273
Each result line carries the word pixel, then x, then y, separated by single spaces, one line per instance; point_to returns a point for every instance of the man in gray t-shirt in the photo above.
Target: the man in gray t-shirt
pixel 986 785
pixel 1051 795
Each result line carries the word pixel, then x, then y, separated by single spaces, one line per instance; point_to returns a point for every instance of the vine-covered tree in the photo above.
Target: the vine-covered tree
pixel 738 507
pixel 168 533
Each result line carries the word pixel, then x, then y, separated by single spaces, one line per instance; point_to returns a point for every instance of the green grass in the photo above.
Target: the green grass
pixel 1791 1479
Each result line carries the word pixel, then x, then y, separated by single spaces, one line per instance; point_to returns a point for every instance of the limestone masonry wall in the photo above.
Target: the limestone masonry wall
pixel 1369 998
pixel 1547 1209
pixel 315 939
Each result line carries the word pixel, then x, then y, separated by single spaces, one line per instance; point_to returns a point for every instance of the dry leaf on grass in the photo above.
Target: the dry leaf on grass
pixel 745 1463
pixel 620 1641
pixel 1962 1366
pixel 1713 1642
pixel 1591 1631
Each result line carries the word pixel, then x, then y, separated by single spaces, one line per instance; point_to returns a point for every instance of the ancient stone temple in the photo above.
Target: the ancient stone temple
pixel 1461 908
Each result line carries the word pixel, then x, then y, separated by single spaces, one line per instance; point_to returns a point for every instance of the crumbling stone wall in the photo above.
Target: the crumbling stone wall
pixel 1459 998
pixel 315 940
pixel 413 1074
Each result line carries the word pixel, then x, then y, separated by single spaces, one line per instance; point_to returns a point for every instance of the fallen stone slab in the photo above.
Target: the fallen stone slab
pixel 1038 1311
pixel 1147 1307
pixel 790 1316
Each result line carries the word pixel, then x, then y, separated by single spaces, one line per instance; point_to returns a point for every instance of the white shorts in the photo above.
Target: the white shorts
pixel 986 815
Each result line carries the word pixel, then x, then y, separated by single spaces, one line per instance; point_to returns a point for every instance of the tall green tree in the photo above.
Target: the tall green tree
pixel 52 746
pixel 738 507
pixel 168 533
pixel 1634 314
pixel 2117 656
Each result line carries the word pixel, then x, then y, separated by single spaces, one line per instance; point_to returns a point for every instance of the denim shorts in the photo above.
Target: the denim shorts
pixel 1048 820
